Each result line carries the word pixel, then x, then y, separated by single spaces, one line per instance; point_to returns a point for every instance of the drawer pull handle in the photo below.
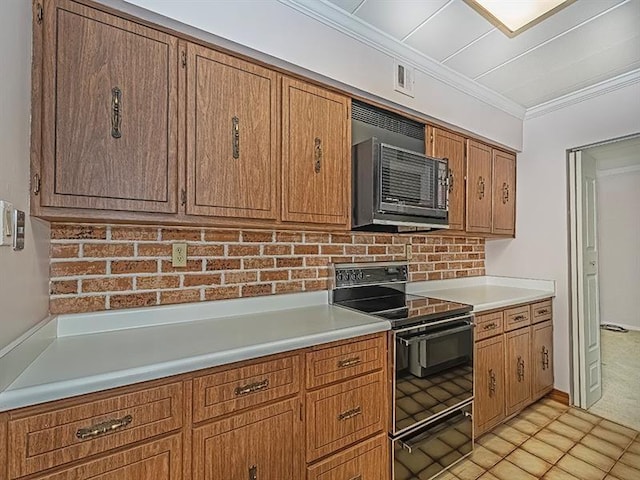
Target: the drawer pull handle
pixel 252 387
pixel 253 472
pixel 519 318
pixel 354 412
pixel 116 112
pixel 235 135
pixel 349 362
pixel 545 358
pixel 490 326
pixel 104 427
pixel 542 311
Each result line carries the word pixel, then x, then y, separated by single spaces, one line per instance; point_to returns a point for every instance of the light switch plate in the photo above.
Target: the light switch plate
pixel 6 223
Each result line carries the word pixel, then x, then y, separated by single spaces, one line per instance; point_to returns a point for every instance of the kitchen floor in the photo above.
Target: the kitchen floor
pixel 551 441
pixel 620 378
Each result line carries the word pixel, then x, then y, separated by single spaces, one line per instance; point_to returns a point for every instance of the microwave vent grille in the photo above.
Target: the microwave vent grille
pixel 386 120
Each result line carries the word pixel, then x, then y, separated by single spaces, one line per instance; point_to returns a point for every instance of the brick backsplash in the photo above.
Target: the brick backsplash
pixel 102 267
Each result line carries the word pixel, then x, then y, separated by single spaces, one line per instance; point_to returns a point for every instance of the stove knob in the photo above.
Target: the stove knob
pixel 360 275
pixel 354 275
pixel 339 276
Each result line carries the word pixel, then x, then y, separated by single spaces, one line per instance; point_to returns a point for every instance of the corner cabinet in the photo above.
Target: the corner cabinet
pixel 109 112
pixel 316 153
pixel 504 194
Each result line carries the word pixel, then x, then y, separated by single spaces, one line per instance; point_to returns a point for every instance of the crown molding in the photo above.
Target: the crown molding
pixel 584 94
pixel 336 18
pixel 617 171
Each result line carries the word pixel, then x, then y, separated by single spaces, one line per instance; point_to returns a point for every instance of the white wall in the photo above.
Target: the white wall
pixel 540 249
pixel 619 247
pixel 273 28
pixel 24 275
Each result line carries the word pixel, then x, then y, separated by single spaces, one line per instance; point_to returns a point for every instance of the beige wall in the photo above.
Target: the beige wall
pixel 24 275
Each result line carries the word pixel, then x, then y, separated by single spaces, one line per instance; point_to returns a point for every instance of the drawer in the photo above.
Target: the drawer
pixel 69 433
pixel 366 461
pixel 242 387
pixel 343 414
pixel 541 311
pixel 489 325
pixel 516 318
pixel 332 364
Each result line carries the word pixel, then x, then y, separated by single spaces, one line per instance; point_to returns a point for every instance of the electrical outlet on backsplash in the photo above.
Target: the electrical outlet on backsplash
pixel 101 267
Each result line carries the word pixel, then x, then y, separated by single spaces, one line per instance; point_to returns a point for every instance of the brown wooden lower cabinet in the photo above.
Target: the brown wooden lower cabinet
pixel 513 362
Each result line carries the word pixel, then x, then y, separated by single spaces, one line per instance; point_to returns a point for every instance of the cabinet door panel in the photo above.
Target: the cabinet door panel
pixel 231 136
pixel 478 187
pixel 489 387
pixel 451 146
pixel 264 441
pixel 110 129
pixel 518 371
pixel 542 358
pixel 504 193
pixel 315 154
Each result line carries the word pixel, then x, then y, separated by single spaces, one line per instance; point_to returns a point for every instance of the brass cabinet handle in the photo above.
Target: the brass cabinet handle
pixel 104 427
pixel 116 112
pixel 349 362
pixel 354 412
pixel 318 155
pixel 253 472
pixel 252 387
pixel 520 369
pixel 505 192
pixel 545 357
pixel 235 122
pixel 542 311
pixel 492 382
pixel 451 180
pixel 490 326
pixel 480 187
pixel 519 318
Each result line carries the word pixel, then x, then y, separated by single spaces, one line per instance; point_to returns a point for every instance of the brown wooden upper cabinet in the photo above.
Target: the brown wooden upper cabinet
pixel 445 144
pixel 478 187
pixel 109 112
pixel 232 136
pixel 316 171
pixel 504 193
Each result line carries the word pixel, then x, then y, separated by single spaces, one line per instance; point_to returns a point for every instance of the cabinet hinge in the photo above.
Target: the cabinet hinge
pixel 184 59
pixel 39 13
pixel 183 197
pixel 36 184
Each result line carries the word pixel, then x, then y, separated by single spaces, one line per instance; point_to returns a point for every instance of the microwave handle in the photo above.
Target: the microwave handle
pixel 430 336
pixel 409 446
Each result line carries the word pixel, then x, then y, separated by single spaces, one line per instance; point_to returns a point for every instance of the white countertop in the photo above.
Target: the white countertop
pixel 487 292
pixel 79 362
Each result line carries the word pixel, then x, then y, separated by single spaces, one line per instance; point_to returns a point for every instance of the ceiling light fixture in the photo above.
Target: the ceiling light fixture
pixel 514 16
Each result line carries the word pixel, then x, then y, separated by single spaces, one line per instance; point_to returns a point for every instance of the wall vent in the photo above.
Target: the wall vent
pixel 403 78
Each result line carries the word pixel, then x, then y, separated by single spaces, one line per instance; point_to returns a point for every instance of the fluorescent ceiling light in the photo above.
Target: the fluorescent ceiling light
pixel 515 16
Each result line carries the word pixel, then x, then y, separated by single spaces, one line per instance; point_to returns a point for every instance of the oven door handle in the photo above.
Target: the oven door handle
pixel 430 336
pixel 409 446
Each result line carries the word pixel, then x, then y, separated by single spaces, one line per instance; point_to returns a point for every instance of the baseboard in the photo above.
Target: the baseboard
pixel 559 396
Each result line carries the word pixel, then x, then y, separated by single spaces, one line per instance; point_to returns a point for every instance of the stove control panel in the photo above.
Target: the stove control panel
pixel 350 275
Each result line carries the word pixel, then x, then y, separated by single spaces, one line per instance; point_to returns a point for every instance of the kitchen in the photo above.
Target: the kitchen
pixel 542 139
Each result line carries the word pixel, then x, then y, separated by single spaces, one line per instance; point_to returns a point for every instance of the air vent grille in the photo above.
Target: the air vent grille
pixel 387 120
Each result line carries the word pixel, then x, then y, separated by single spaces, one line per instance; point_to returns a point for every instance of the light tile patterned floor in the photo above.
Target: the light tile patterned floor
pixel 551 441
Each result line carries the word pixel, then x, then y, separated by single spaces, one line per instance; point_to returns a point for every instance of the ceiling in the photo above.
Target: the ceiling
pixel 616 155
pixel 588 42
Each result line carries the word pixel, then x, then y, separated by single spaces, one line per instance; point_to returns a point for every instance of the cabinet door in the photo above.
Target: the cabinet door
pixel 542 358
pixel 478 187
pixel 158 460
pixel 316 165
pixel 110 114
pixel 262 443
pixel 369 460
pixel 518 371
pixel 451 146
pixel 504 193
pixel 489 387
pixel 232 138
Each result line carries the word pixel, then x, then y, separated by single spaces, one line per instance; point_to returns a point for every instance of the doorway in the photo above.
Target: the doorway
pixel 604 195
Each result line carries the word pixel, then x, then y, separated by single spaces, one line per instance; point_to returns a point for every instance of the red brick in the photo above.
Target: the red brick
pixel 364 239
pixel 332 250
pixel 384 239
pixel 222 235
pixel 205 250
pixel 220 293
pixel 157 282
pixel 113 250
pixel 418 277
pixel 133 266
pixel 312 285
pixel 192 266
pixel 109 284
pixel 134 233
pixel 179 296
pixel 256 290
pixel 316 261
pixel 132 300
pixel 240 277
pixel 77 304
pixel 289 262
pixel 271 275
pixel 63 287
pixel 396 249
pixel 441 248
pixel 277 249
pixel 66 269
pixel 305 249
pixel 341 238
pixel 224 264
pixel 78 232
pixel 263 237
pixel 258 263
pixel 243 250
pixel 313 237
pixel 376 250
pixel 288 237
pixel 304 273
pixel 202 279
pixel 154 250
pixel 64 250
pixel 181 234
pixel 288 287
pixel 355 250
pixel 434 275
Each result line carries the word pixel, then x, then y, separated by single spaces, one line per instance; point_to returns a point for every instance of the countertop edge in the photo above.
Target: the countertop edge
pixel 484 307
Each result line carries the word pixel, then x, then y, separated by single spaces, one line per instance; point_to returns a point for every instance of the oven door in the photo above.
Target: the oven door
pixel 433 371
pixel 426 452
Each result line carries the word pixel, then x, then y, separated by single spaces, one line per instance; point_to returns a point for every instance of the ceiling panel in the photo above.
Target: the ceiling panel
pixel 452 28
pixel 399 17
pixel 347 5
pixel 496 48
pixel 599 49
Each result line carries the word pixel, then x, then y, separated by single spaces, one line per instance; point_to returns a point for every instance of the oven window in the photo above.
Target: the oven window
pixel 408 179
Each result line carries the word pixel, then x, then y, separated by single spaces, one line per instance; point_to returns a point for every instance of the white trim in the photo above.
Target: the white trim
pixel 587 93
pixel 336 18
pixel 618 171
pixel 576 377
pixel 633 328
